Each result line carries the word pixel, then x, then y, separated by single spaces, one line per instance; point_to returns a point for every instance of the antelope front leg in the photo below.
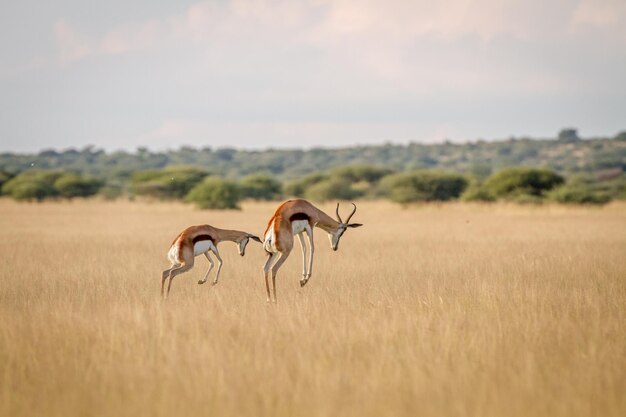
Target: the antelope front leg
pixel 219 266
pixel 202 281
pixel 309 233
pixel 304 272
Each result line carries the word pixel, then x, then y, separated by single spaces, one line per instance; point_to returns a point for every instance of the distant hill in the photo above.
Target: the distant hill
pixel 566 154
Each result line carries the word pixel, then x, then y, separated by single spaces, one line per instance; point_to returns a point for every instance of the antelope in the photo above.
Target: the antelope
pixel 295 218
pixel 198 240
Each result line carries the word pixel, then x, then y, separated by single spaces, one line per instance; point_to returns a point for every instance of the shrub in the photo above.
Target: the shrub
pixel 331 189
pixel 215 193
pixel 32 185
pixel 477 193
pixel 357 173
pixel 577 194
pixel 72 185
pixel 260 187
pixel 4 177
pixel 298 188
pixel 423 186
pixel 510 183
pixel 168 183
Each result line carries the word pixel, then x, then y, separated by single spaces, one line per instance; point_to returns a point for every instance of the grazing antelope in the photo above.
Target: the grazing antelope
pixel 295 217
pixel 197 240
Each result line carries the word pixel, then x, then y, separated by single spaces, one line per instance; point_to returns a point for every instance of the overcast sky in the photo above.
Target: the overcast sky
pixel 258 74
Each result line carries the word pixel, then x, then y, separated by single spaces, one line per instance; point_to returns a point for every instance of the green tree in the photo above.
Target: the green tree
pixel 298 188
pixel 356 173
pixel 215 193
pixel 331 189
pixel 4 177
pixel 568 135
pixel 260 187
pixel 173 182
pixel 32 185
pixel 577 194
pixel 419 186
pixel 73 185
pixel 512 183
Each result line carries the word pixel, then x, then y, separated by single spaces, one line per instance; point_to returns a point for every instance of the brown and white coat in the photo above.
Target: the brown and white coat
pixel 198 240
pixel 296 218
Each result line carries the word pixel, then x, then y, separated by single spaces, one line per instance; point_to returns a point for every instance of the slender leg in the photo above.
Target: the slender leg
pixel 266 270
pixel 303 246
pixel 219 265
pixel 177 271
pixel 309 233
pixel 202 281
pixel 164 275
pixel 275 267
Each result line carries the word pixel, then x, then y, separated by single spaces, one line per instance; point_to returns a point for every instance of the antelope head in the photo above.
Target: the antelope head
pixel 341 229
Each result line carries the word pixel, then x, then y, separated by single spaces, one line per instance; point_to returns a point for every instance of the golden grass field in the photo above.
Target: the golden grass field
pixel 439 310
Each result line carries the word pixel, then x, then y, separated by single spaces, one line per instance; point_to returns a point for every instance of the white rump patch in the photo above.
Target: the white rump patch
pixel 269 240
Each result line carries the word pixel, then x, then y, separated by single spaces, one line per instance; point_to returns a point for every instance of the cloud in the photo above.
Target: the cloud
pixel 72 45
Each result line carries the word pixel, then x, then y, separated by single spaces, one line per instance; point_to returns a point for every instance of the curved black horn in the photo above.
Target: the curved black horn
pixel 337 212
pixel 351 214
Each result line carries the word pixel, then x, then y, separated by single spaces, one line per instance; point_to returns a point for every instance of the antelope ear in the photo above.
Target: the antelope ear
pixel 255 238
pixel 355 225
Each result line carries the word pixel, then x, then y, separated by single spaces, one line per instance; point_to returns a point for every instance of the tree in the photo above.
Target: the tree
pixel 173 182
pixel 331 189
pixel 423 186
pixel 515 182
pixel 215 193
pixel 72 185
pixel 4 177
pixel 577 194
pixel 568 135
pixel 298 188
pixel 32 185
pixel 260 187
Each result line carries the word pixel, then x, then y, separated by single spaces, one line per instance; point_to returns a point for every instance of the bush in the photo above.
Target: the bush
pixel 111 191
pixel 423 186
pixel 477 193
pixel 577 195
pixel 299 187
pixel 32 185
pixel 510 183
pixel 260 187
pixel 331 189
pixel 4 177
pixel 72 185
pixel 215 193
pixel 357 173
pixel 168 183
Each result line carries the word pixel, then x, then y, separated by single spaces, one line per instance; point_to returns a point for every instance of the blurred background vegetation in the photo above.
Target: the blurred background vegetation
pixel 565 169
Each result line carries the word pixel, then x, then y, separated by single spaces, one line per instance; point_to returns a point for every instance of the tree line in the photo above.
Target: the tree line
pixel 565 169
pixel 208 190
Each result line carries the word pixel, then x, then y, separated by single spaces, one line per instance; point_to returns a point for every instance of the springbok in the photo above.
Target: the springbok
pixel 197 240
pixel 295 217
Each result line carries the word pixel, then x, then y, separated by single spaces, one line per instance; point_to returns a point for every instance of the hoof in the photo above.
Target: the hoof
pixel 303 282
pixel 214 283
pixel 200 282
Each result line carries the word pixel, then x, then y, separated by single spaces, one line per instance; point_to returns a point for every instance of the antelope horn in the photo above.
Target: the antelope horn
pixel 351 214
pixel 337 212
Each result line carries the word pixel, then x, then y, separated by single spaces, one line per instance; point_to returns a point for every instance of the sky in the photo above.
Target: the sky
pixel 260 74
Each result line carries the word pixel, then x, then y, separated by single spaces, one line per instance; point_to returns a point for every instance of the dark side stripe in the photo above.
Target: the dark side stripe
pixel 201 238
pixel 298 216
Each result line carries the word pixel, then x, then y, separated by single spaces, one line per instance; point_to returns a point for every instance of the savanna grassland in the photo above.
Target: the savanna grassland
pixel 438 310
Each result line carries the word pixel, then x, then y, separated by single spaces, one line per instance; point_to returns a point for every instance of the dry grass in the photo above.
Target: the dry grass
pixel 450 310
